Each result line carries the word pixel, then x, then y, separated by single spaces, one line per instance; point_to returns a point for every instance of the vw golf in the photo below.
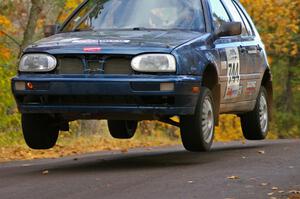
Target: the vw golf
pixel 131 60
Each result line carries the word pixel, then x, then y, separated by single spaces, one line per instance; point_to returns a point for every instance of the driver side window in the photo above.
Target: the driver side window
pixel 218 13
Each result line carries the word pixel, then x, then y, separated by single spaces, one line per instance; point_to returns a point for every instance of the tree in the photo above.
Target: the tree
pixel 34 14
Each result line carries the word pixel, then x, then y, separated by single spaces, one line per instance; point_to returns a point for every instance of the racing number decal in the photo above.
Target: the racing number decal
pixel 233 73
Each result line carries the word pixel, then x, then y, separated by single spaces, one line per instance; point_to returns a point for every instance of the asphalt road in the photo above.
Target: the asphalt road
pixel 256 168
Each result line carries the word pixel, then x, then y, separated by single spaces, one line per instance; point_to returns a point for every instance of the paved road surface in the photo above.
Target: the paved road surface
pixel 160 173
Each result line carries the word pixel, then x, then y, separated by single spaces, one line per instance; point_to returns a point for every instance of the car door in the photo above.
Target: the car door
pixel 254 50
pixel 233 63
pixel 249 52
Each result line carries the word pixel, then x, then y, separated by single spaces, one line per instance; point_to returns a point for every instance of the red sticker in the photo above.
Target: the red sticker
pixel 92 49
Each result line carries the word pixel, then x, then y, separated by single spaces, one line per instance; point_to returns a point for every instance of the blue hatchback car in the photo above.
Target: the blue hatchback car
pixel 131 60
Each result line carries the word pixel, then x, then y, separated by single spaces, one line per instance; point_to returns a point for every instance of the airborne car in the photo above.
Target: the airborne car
pixel 131 60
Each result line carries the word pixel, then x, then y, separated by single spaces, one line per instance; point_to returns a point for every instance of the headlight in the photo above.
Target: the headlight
pixel 37 63
pixel 154 63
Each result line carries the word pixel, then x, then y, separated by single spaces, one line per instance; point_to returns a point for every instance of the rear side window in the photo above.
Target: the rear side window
pixel 246 22
pixel 219 13
pixel 236 16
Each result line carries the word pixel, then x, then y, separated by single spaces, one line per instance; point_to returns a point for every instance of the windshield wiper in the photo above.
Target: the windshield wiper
pixel 143 28
pixel 76 27
pixel 139 28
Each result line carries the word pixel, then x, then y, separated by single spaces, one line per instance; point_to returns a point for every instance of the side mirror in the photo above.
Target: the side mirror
pixel 229 29
pixel 50 30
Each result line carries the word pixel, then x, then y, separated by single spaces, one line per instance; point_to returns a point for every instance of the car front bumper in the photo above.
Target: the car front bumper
pixel 107 96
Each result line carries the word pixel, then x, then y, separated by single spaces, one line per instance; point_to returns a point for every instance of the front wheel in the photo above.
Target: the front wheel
pixel 255 124
pixel 40 130
pixel 197 131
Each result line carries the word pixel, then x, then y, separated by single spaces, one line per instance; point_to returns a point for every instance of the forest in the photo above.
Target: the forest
pixel 278 22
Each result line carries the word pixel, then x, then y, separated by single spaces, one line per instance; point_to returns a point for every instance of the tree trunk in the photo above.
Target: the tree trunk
pixel 53 10
pixel 35 11
pixel 288 87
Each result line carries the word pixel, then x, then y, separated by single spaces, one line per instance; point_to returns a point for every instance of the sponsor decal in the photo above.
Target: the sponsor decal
pixel 92 49
pixel 85 41
pixel 66 40
pixel 113 41
pixel 252 51
pixel 223 65
pixel 251 88
pixel 93 41
pixel 233 89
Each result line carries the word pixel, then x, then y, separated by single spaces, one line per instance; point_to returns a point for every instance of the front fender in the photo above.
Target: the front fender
pixel 194 56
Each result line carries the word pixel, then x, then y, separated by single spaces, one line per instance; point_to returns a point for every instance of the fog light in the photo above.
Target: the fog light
pixel 196 89
pixel 167 87
pixel 29 85
pixel 20 86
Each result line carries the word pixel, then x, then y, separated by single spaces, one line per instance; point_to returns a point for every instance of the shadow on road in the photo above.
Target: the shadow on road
pixel 150 159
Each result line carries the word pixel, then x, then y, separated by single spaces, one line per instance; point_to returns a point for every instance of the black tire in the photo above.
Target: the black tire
pixel 193 134
pixel 40 131
pixel 122 129
pixel 253 125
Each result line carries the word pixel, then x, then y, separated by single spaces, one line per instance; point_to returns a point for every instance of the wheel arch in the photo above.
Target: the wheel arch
pixel 268 85
pixel 210 79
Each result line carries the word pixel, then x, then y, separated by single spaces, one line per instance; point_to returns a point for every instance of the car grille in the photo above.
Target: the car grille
pixel 77 100
pixel 94 64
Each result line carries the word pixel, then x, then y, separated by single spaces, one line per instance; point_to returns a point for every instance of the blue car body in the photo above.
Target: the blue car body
pixel 136 95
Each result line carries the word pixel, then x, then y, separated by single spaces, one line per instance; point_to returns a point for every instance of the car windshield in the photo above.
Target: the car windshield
pixel 138 15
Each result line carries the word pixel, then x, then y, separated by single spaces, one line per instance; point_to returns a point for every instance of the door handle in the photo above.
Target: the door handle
pixel 259 48
pixel 243 49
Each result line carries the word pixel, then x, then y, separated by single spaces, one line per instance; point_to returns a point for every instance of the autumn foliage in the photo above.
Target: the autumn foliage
pixel 5 23
pixel 278 22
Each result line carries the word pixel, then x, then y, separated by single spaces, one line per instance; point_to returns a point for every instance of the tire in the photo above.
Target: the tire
pixel 40 131
pixel 255 124
pixel 122 129
pixel 197 131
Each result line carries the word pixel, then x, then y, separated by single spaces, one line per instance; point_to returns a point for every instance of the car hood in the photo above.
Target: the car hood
pixel 118 42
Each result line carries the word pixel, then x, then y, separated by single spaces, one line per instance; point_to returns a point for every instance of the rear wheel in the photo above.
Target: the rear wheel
pixel 122 129
pixel 255 124
pixel 197 131
pixel 40 130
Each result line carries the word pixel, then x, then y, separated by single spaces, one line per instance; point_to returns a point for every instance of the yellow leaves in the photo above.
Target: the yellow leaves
pixel 72 4
pixel 294 50
pixel 278 23
pixel 270 60
pixel 262 152
pixel 294 192
pixel 124 150
pixel 5 53
pixel 294 28
pixel 46 172
pixel 40 23
pixel 4 22
pixel 5 25
pixel 229 128
pixel 271 194
pixel 233 177
pixel 285 50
